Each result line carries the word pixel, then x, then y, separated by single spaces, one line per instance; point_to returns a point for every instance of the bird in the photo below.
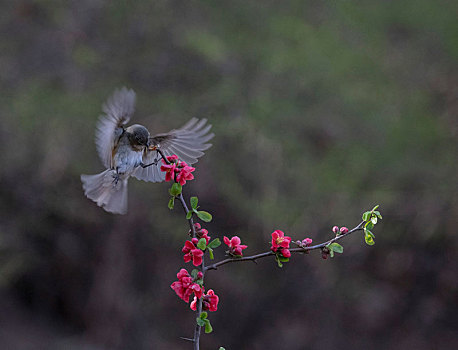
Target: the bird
pixel 127 151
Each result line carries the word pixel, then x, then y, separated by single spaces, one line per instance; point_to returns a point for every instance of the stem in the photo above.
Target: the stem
pixel 197 330
pixel 293 250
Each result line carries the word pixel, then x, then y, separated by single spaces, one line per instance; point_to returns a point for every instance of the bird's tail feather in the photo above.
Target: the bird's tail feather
pixel 109 194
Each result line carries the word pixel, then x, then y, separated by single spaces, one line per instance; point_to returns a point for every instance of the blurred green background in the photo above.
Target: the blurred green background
pixel 320 109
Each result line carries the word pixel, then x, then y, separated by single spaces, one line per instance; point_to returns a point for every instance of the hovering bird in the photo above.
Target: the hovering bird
pixel 131 151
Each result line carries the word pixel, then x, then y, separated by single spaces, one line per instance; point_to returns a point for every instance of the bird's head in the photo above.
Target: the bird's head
pixel 138 135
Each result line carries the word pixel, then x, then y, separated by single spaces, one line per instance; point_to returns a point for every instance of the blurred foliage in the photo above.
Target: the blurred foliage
pixel 320 111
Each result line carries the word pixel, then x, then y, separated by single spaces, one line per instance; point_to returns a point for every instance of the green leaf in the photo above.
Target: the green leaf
pixel 278 261
pixel 204 216
pixel 282 258
pixel 210 252
pixel 203 315
pixel 175 190
pixel 202 244
pixel 200 322
pixel 331 253
pixel 367 232
pixel 171 203
pixel 194 202
pixel 336 247
pixel 378 214
pixel 189 215
pixel 221 348
pixel 366 216
pixel 369 225
pixel 369 240
pixel 374 208
pixel 208 326
pixel 374 219
pixel 215 243
pixel 194 273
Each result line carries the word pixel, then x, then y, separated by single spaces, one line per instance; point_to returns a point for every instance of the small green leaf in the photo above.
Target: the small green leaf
pixel 175 190
pixel 368 232
pixel 203 315
pixel 278 261
pixel 189 215
pixel 336 247
pixel 215 243
pixel 369 240
pixel 369 225
pixel 374 220
pixel 194 202
pixel 221 348
pixel 282 258
pixel 208 326
pixel 378 214
pixel 194 273
pixel 202 244
pixel 210 252
pixel 204 216
pixel 374 208
pixel 366 216
pixel 171 203
pixel 200 322
pixel 331 253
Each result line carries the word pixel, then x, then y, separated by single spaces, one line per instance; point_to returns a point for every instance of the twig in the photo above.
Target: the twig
pixel 293 250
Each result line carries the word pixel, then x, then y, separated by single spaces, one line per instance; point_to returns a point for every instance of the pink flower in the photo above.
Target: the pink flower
pixel 185 173
pixel 306 242
pixel 280 243
pixel 335 229
pixel 192 253
pixel 235 248
pixel 201 232
pixel 209 302
pixel 185 286
pixel 169 168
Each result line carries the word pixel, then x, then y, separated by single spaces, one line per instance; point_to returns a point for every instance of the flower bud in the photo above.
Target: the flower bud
pixel 343 230
pixel 200 275
pixel 307 242
pixel 335 229
pixel 325 253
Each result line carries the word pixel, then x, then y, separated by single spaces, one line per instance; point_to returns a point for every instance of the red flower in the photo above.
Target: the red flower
pixel 280 243
pixel 185 173
pixel 200 232
pixel 235 248
pixel 192 253
pixel 169 168
pixel 209 303
pixel 185 286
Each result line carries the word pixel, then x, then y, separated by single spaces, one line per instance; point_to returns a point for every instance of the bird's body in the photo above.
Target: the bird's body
pixel 132 151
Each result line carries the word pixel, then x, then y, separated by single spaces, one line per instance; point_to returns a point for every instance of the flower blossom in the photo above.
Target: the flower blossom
pixel 209 302
pixel 169 168
pixel 280 243
pixel 184 173
pixel 200 232
pixel 235 248
pixel 192 252
pixel 185 286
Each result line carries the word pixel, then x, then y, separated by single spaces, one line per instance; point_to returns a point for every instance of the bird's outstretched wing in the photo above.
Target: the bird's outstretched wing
pixel 118 109
pixel 188 143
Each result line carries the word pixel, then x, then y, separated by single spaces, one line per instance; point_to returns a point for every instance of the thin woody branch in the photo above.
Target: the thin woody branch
pixel 292 250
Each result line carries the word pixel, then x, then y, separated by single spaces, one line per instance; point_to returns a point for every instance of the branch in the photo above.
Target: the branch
pixel 293 250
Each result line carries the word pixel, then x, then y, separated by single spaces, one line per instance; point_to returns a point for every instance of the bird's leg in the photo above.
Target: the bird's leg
pixel 115 177
pixel 153 163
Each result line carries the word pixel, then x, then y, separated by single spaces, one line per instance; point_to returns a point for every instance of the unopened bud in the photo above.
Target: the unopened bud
pixel 343 230
pixel 335 229
pixel 200 275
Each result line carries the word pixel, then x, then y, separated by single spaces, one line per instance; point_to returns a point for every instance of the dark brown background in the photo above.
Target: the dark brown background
pixel 320 112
